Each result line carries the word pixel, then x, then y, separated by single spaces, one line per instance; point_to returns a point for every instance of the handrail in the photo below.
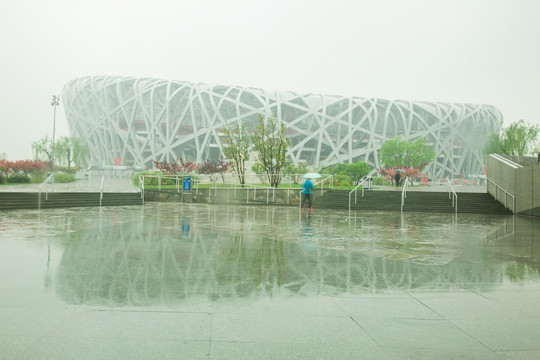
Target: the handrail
pixel 101 191
pixel 455 197
pixel 214 185
pixel 404 193
pixel 355 190
pixel 199 178
pixel 176 178
pixel 141 187
pixel 50 179
pixel 331 186
pixel 505 197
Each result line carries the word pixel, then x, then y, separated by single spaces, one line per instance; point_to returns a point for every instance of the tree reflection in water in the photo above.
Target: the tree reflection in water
pixel 165 253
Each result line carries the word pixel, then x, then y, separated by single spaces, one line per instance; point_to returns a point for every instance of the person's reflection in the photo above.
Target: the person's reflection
pixel 185 225
pixel 307 230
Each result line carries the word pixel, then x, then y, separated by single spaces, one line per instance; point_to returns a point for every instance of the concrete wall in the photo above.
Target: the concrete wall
pixel 523 160
pixel 503 175
pixel 535 185
pixel 521 182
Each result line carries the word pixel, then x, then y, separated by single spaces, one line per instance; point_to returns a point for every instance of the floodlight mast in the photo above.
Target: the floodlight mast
pixel 54 102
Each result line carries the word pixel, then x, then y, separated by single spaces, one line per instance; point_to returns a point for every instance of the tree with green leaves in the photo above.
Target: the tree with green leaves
pixel 406 153
pixel 295 171
pixel 271 144
pixel 356 171
pixel 43 149
pixel 67 150
pixel 236 144
pixel 338 169
pixel 493 145
pixel 70 150
pixel 518 139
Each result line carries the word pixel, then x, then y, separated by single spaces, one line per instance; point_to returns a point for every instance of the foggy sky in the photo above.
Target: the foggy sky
pixel 465 51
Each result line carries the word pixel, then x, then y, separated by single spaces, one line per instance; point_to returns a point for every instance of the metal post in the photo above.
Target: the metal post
pixel 54 102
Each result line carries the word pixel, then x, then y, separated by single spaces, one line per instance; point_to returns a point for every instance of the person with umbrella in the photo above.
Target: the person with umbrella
pixel 397 176
pixel 308 190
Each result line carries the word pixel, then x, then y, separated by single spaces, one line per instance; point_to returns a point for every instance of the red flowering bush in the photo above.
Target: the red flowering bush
pixel 20 171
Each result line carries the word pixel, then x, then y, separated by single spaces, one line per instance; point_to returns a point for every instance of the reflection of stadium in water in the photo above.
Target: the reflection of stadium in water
pixel 167 252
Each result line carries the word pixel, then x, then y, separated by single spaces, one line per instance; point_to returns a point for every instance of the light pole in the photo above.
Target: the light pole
pixel 55 102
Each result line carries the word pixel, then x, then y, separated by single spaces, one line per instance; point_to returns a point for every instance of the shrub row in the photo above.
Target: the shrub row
pixel 36 178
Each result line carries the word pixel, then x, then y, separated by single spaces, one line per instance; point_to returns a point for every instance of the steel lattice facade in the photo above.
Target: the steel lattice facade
pixel 142 120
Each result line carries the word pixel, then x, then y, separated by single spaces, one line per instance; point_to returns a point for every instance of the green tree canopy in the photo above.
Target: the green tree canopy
pixel 271 145
pixel 518 139
pixel 339 169
pixel 493 145
pixel 356 171
pixel 70 150
pixel 67 150
pixel 43 149
pixel 406 153
pixel 236 146
pixel 295 171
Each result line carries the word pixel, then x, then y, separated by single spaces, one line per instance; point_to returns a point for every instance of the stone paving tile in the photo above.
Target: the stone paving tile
pixel 467 305
pixel 226 350
pixel 11 346
pixel 405 308
pixel 30 321
pixel 282 329
pixel 519 355
pixel 113 348
pixel 440 354
pixel 418 333
pixel 504 333
pixel 322 306
pixel 134 325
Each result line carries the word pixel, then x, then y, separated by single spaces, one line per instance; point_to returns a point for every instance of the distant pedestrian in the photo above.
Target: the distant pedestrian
pixel 538 158
pixel 397 177
pixel 307 194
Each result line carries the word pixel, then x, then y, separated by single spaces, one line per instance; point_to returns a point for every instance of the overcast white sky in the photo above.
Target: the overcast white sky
pixel 470 51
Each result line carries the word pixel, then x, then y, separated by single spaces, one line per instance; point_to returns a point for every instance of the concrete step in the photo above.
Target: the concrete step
pixel 33 200
pixel 422 201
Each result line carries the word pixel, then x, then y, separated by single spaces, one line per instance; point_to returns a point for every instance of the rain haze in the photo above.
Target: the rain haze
pixel 481 51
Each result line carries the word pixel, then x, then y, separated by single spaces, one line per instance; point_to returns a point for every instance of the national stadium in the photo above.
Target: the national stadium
pixel 135 121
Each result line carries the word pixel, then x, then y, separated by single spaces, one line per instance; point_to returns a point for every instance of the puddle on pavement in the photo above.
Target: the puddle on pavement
pixel 163 253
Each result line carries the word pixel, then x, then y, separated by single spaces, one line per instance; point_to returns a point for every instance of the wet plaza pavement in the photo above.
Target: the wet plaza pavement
pixel 194 281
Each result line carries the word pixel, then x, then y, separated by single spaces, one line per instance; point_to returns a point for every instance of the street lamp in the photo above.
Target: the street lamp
pixel 55 102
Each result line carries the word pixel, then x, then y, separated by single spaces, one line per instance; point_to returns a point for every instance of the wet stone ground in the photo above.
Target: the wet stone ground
pixel 174 281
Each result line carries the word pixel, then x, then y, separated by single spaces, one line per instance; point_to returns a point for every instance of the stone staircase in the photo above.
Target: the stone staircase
pixel 373 200
pixel 422 201
pixel 31 200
